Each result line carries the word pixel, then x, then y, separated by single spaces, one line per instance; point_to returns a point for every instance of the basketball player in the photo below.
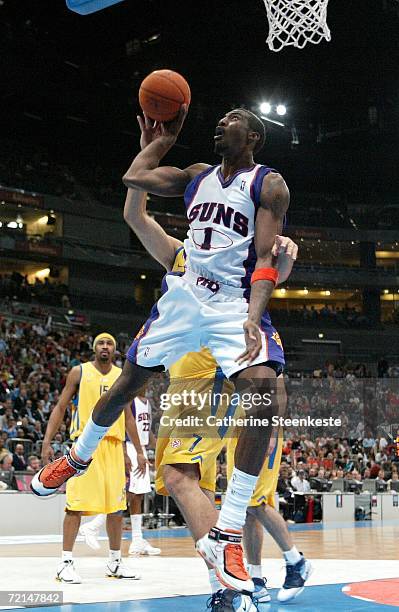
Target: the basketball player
pixel 175 470
pixel 235 211
pixel 102 488
pixel 138 486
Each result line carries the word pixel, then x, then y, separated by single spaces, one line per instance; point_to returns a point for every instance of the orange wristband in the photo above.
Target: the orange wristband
pixel 269 274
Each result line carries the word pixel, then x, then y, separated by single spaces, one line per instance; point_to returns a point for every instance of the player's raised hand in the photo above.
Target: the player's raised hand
pixel 253 341
pixel 173 128
pixel 141 468
pixel 150 130
pixel 286 252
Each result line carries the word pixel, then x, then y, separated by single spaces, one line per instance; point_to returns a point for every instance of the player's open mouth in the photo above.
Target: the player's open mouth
pixel 218 134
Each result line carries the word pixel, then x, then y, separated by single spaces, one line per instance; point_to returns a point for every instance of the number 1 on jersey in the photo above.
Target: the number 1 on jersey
pixel 206 245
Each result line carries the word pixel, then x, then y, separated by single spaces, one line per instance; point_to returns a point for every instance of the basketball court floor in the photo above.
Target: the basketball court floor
pixel 356 567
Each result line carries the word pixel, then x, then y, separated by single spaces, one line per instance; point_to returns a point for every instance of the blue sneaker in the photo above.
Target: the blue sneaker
pixel 231 601
pixel 295 579
pixel 261 594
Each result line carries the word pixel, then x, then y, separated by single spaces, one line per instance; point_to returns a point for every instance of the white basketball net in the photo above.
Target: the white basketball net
pixel 296 22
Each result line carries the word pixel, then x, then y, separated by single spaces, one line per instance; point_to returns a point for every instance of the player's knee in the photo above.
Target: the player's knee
pixel 129 382
pixel 177 479
pixel 73 512
pixel 253 512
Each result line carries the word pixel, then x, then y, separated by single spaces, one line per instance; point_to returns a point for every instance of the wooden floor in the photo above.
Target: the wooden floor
pixel 350 542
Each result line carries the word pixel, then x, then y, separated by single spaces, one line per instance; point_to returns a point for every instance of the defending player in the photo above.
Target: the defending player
pixel 102 488
pixel 235 211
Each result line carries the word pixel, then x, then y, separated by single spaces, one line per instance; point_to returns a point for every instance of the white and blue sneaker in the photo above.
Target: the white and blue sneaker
pixel 260 595
pixel 231 601
pixel 295 579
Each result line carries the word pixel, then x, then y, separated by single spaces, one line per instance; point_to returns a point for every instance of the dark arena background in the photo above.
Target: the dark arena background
pixel 70 268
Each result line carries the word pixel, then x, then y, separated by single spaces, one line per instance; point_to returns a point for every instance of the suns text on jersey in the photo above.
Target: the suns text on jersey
pixel 220 214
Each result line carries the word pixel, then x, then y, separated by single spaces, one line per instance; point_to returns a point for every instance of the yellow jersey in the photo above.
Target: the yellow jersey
pixel 192 365
pixel 91 387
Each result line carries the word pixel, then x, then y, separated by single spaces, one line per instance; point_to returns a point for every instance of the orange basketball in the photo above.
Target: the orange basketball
pixel 162 93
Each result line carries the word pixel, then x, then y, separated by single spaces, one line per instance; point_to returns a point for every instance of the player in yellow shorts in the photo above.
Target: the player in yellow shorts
pixel 186 463
pixel 102 488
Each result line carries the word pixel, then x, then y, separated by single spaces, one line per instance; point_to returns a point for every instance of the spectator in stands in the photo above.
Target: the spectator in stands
pixel 284 489
pixel 18 458
pixel 58 445
pixel 3 450
pixel 381 477
pixel 6 462
pixel 11 427
pixel 27 411
pixel 221 479
pixel 299 482
pixel 33 464
pixel 366 473
pixel 6 466
pixel 394 478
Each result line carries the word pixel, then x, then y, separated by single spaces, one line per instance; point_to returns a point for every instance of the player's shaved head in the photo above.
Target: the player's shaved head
pixel 255 125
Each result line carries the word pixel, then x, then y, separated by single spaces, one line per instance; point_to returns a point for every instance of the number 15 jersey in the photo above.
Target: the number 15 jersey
pixel 221 213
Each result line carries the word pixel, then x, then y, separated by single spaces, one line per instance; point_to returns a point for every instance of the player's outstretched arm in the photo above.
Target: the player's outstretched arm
pixel 156 140
pixel 152 236
pixel 58 413
pixel 274 203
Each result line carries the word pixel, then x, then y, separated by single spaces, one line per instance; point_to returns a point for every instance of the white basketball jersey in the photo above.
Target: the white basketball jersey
pixel 142 413
pixel 220 241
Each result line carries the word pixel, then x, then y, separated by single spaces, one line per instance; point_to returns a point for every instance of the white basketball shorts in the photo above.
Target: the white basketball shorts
pixel 192 314
pixel 137 484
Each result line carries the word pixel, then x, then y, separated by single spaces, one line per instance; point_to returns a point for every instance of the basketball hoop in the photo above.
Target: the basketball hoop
pixel 296 22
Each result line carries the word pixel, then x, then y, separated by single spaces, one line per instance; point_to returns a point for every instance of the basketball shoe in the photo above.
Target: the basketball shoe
pixel 231 601
pixel 223 551
pixel 117 569
pixel 295 579
pixel 53 475
pixel 142 547
pixel 66 573
pixel 260 595
pixel 91 536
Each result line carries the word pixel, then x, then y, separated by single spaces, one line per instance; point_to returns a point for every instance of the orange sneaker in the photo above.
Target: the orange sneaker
pixel 53 475
pixel 223 550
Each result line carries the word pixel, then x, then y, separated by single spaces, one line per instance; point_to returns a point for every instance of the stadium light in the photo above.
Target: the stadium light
pixel 265 108
pixel 321 335
pixel 282 291
pixel 281 109
pixel 386 291
pixel 44 273
pixel 143 276
pixel 305 291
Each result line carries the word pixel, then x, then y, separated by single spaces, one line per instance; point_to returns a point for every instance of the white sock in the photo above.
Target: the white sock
pixel 67 555
pixel 255 571
pixel 214 582
pixel 96 523
pixel 136 520
pixel 89 439
pixel 114 555
pixel 239 492
pixel 292 556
